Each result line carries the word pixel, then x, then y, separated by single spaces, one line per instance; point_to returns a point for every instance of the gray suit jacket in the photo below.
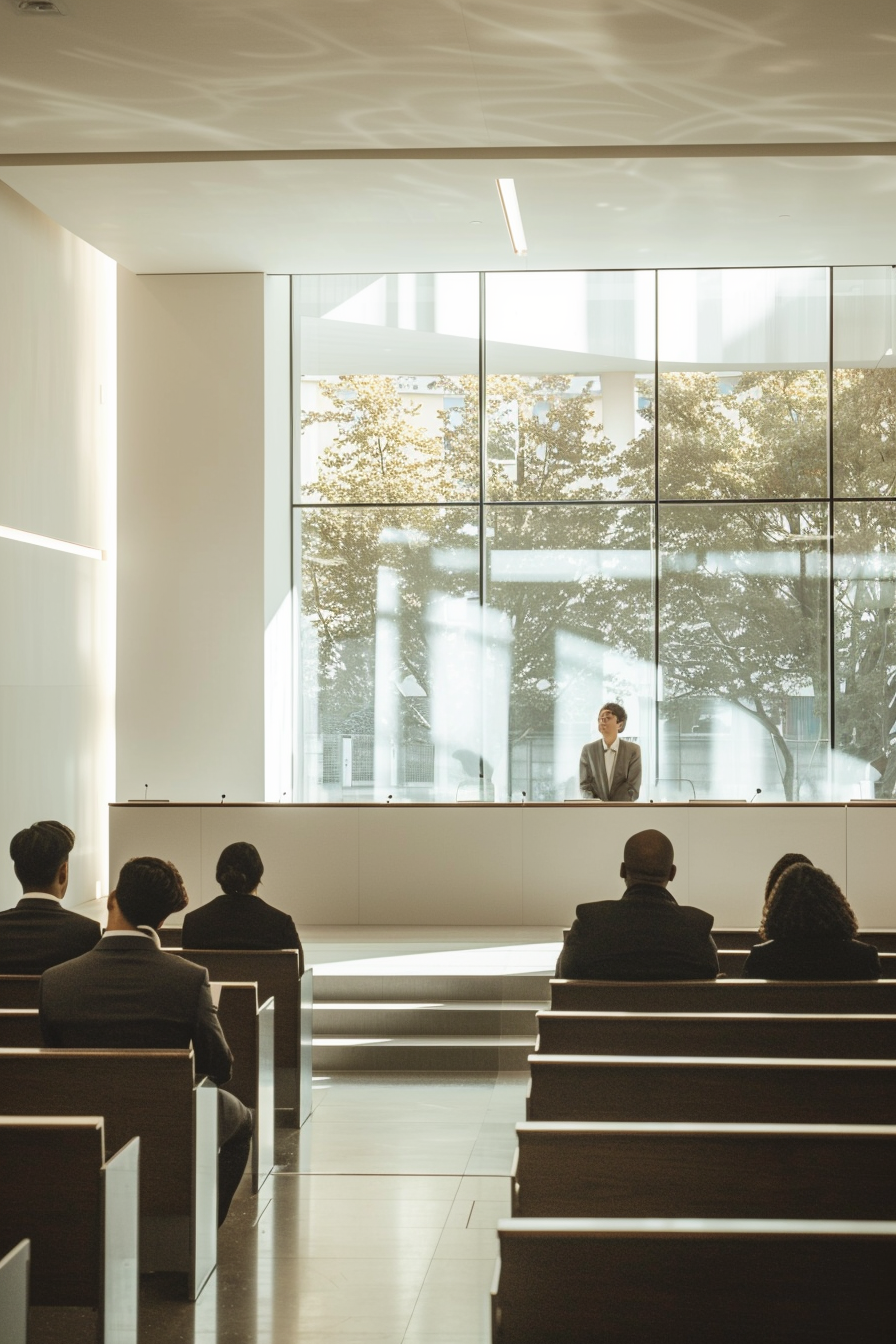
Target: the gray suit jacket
pixel 626 776
pixel 128 995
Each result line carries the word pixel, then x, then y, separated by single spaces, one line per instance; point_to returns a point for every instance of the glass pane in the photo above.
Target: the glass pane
pixel 570 379
pixel 744 650
pixel 743 361
pixel 391 651
pixel 864 380
pixel 572 588
pixel 864 598
pixel 388 388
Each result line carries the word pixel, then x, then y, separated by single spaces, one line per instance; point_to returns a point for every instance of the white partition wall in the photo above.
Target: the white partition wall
pixel 509 865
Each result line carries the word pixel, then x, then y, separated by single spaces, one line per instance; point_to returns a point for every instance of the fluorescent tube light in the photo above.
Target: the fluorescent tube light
pixel 512 217
pixel 50 543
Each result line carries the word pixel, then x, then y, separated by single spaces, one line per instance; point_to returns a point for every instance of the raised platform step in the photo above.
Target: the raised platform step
pixel 424 1053
pixel 489 1017
pixel 427 1023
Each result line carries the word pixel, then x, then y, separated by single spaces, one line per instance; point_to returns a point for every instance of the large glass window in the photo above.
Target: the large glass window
pixel 518 496
pixel 743 359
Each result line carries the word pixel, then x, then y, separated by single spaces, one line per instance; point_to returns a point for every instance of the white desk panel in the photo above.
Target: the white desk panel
pixel 163 831
pixel 871 863
pixel 441 865
pixel 733 849
pixel 572 854
pixel 310 857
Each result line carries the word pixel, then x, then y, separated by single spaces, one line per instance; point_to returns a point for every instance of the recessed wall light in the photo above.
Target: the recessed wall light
pixel 50 543
pixel 512 216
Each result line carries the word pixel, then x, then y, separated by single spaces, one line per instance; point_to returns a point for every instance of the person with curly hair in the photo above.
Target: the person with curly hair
pixel 809 932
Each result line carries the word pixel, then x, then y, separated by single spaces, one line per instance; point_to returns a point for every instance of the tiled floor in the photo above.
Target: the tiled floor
pixel 378 1225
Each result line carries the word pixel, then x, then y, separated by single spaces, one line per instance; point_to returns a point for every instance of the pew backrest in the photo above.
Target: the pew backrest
pixel 724 996
pixel 798 1035
pixel 711 1090
pixel 20 1027
pixel 19 991
pixel 732 962
pixel 628 1280
pixel 80 1212
pixel 581 1169
pixel 883 939
pixel 249 1029
pixel 147 1093
pixel 277 976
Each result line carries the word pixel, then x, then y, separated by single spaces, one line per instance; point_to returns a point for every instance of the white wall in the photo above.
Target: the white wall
pixel 190 710
pixel 57 479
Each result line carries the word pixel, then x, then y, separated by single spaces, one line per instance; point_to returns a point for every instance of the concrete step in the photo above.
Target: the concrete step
pixel 435 1054
pixel 452 1018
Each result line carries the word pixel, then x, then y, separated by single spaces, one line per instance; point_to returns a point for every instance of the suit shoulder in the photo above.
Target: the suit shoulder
pixel 595 910
pixel 700 919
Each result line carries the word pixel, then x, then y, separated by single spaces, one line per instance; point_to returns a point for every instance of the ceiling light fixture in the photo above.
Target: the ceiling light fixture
pixel 50 543
pixel 512 217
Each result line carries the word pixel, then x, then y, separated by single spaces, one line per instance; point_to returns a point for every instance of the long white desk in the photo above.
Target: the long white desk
pixel 510 864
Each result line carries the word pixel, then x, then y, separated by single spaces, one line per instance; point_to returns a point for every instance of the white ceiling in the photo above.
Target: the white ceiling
pixel 168 76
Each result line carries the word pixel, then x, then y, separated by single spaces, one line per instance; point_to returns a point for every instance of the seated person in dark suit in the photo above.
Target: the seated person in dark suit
pixel 38 933
pixel 809 932
pixel 129 994
pixel 240 918
pixel 646 935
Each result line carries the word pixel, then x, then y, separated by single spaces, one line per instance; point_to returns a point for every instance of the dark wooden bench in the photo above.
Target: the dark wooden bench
pixel 724 996
pixel 733 960
pixel 250 1034
pixel 795 1035
pixel 582 1169
pixel 80 1211
pixel 277 977
pixel 151 1094
pixel 883 939
pixel 755 1091
pixel 693 1281
pixel 19 991
pixel 15 1268
pixel 19 1029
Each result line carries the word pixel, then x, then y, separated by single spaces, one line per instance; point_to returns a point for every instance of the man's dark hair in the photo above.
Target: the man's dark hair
pixel 616 710
pixel 239 868
pixel 807 904
pixel 648 857
pixel 149 890
pixel 39 852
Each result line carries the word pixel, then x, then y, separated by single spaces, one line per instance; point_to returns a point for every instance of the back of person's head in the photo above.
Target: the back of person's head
pixel 149 890
pixel 785 861
pixel 617 711
pixel 649 857
pixel 239 868
pixel 806 903
pixel 40 851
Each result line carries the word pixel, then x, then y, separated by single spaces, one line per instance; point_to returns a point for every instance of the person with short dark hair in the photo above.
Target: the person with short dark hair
pixel 808 930
pixel 610 769
pixel 129 994
pixel 38 932
pixel 646 935
pixel 239 918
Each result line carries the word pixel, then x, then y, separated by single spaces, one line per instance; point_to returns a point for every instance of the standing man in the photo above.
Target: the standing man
pixel 38 932
pixel 610 769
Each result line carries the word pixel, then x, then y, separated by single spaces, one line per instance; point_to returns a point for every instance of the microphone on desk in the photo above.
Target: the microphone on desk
pixel 388 799
pixel 755 795
pixel 524 797
pixel 223 796
pixel 145 792
pixel 282 796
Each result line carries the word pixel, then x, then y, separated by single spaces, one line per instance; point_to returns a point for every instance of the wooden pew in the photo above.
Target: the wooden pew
pixel 632 1281
pixel 14 1274
pixel 724 996
pixel 883 939
pixel 250 1034
pixel 80 1211
pixel 19 991
pixel 19 1028
pixel 151 1094
pixel 794 1035
pixel 733 960
pixel 712 1090
pixel 619 1169
pixel 277 977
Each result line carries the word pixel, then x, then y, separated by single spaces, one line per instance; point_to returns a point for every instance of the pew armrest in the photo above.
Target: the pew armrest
pixel 120 1285
pixel 306 1009
pixel 204 1224
pixel 263 1140
pixel 14 1274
